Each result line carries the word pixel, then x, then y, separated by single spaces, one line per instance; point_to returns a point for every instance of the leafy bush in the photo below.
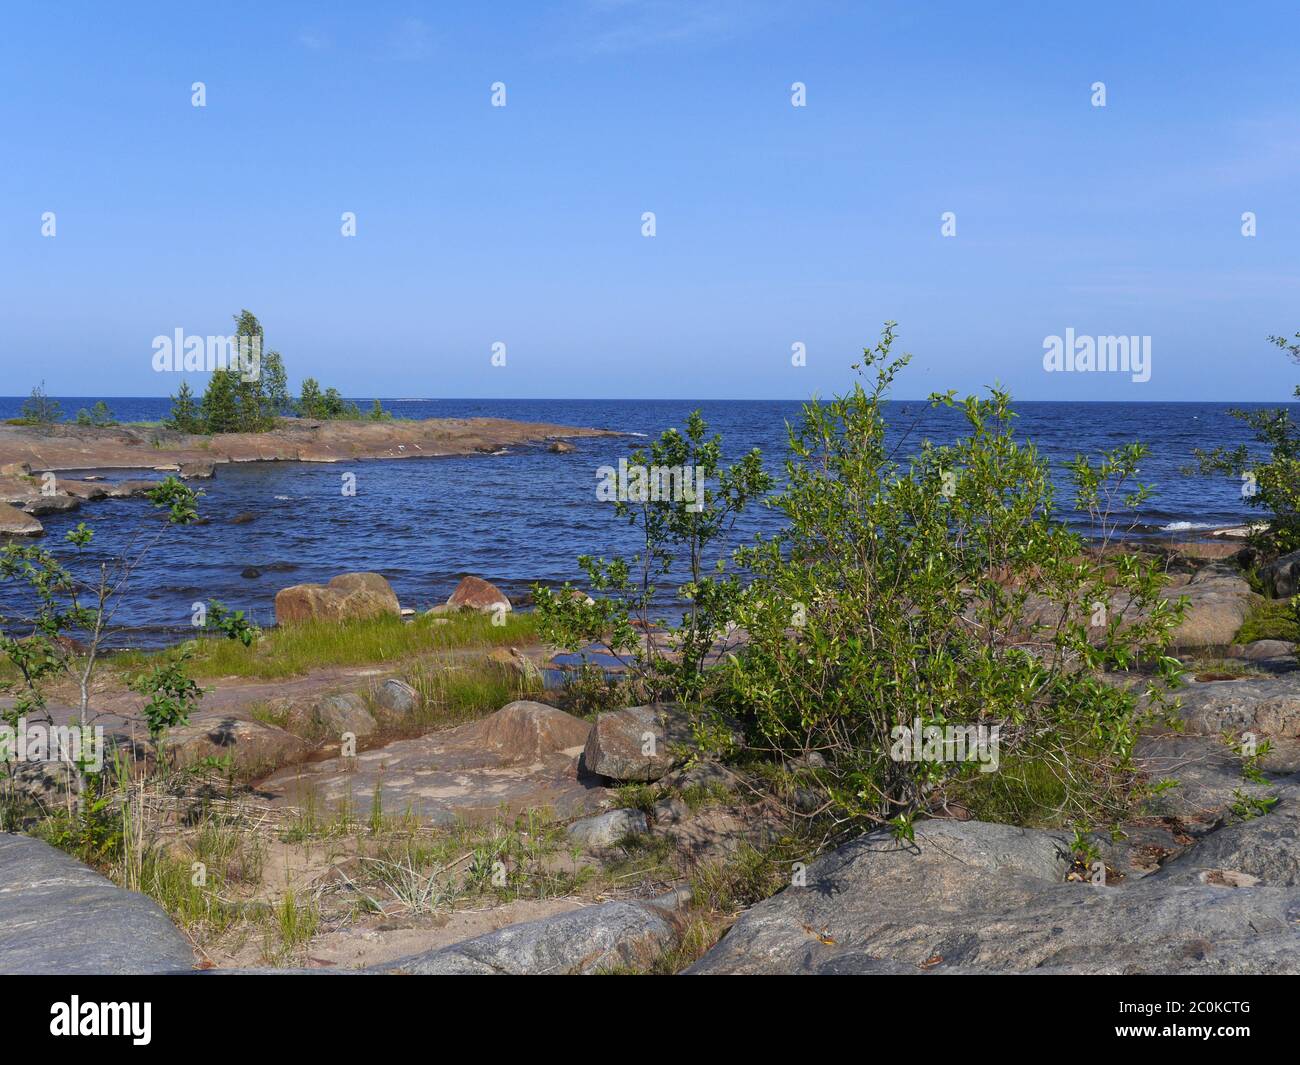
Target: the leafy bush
pixel 99 415
pixel 901 600
pixel 683 536
pixel 1272 484
pixel 942 593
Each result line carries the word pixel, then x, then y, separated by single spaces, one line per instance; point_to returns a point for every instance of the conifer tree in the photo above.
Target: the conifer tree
pixel 221 403
pixel 185 416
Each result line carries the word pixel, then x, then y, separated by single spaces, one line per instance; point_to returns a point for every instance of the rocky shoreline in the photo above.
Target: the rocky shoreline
pixel 1203 879
pixel 32 457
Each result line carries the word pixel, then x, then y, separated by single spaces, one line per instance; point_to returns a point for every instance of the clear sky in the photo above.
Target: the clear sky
pixel 775 224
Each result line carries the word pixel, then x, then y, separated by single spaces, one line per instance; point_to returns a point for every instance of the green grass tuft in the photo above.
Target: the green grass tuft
pixel 292 650
pixel 1273 619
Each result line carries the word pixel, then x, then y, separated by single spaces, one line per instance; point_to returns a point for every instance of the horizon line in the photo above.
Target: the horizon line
pixel 685 399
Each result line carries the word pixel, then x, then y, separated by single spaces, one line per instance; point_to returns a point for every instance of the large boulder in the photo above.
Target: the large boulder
pixel 972 897
pixel 344 712
pixel 347 597
pixel 1218 602
pixel 376 583
pixel 398 697
pixel 608 829
pixel 524 732
pixel 62 918
pixel 641 743
pixel 306 602
pixel 1281 577
pixel 474 593
pixel 254 747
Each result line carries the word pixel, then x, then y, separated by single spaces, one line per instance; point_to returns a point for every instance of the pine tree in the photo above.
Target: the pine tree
pixel 39 409
pixel 221 402
pixel 185 416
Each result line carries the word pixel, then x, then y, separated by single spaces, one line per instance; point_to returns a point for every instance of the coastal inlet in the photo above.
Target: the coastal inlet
pixel 512 509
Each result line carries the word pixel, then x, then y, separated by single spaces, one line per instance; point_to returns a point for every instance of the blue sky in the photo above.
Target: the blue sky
pixel 775 224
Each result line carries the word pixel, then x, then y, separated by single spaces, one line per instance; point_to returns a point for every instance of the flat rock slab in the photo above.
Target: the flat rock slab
pixel 1265 849
pixel 1267 706
pixel 72 447
pixel 1208 773
pixel 525 756
pixel 59 916
pixel 590 940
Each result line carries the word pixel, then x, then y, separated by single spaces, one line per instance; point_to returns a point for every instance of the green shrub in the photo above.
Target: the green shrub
pixel 1271 484
pixel 944 592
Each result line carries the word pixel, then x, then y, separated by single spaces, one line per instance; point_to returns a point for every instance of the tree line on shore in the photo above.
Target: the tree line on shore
pixel 232 402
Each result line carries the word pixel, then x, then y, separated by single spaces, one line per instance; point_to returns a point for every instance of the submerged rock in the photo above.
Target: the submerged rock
pixel 128 489
pixel 51 504
pixel 196 471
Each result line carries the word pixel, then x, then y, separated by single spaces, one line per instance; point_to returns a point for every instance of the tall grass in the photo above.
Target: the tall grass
pixel 454 694
pixel 291 650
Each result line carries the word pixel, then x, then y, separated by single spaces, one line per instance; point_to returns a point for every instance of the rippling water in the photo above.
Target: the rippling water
pixel 527 515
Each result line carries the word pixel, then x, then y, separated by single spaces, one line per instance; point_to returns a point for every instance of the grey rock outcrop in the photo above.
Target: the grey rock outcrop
pixel 397 696
pixel 61 917
pixel 608 829
pixel 1281 577
pixel 977 897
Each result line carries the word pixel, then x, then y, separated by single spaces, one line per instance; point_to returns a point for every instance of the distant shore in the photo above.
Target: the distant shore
pixel 152 447
pixel 27 452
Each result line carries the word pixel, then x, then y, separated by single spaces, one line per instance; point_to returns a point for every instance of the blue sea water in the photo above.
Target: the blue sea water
pixel 527 515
